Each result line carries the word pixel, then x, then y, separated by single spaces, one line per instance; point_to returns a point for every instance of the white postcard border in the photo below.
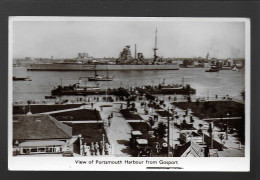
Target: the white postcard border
pixel 224 164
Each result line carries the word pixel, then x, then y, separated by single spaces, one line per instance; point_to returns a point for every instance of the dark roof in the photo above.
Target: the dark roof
pixel 216 144
pixel 181 149
pixel 194 134
pixel 39 127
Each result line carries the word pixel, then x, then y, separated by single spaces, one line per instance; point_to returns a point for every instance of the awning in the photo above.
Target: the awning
pixel 41 143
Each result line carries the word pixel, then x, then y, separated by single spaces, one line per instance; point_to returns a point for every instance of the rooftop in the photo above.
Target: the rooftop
pixel 39 127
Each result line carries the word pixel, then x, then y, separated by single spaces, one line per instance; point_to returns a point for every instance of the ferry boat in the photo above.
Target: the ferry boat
pixel 168 89
pixel 77 89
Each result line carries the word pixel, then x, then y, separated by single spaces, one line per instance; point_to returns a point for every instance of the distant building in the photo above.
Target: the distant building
pixel 34 134
pixel 23 62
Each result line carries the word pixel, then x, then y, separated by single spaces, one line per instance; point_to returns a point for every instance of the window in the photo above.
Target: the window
pixel 42 149
pixel 34 150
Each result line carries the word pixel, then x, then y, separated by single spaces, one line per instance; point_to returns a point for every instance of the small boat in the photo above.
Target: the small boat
pixel 21 78
pixel 212 70
pixel 235 69
pixel 50 97
pixel 100 78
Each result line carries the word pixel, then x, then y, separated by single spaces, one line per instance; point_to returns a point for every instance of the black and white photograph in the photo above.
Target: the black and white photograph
pixel 117 93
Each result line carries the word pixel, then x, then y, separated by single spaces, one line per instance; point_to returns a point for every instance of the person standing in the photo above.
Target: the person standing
pixel 85 149
pixel 106 149
pixel 81 150
pixel 96 148
pixel 109 122
pixel 101 146
pixel 158 148
pixel 92 149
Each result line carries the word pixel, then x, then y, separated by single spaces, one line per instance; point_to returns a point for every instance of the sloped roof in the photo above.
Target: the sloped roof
pixel 39 127
pixel 182 149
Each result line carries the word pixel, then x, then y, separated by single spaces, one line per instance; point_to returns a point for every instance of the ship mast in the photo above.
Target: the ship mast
pixel 135 51
pixel 155 46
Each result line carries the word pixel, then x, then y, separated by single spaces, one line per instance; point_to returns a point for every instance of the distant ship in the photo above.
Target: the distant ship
pixel 124 63
pixel 100 67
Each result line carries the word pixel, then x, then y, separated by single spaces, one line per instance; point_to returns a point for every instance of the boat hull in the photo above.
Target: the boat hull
pixel 21 79
pixel 93 79
pixel 99 67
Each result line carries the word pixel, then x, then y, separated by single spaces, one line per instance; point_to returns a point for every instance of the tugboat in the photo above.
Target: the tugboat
pixel 21 78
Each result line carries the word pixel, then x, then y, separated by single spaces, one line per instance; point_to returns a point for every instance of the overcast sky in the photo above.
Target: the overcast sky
pixel 65 39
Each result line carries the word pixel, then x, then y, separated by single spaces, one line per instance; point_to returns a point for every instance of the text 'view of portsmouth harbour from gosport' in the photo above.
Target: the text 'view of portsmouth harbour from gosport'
pixel 128 89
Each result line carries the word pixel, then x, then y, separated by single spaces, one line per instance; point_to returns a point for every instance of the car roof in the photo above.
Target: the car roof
pixel 136 133
pixel 142 141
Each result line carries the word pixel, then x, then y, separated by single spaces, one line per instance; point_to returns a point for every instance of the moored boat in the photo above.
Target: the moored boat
pixel 212 70
pixel 50 97
pixel 21 78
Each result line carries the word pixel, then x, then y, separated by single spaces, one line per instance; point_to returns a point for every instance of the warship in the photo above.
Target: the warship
pixel 125 62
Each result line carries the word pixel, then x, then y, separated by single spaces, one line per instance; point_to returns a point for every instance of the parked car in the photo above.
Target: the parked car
pixel 143 148
pixel 134 136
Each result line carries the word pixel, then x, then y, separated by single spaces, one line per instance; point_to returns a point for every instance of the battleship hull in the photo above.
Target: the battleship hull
pixel 99 67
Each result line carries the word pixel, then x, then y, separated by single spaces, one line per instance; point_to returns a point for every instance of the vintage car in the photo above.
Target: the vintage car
pixel 143 148
pixel 134 136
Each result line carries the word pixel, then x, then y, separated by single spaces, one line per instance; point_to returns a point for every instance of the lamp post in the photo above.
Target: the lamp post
pixel 29 108
pixel 103 144
pixel 227 126
pixel 168 134
pixel 212 136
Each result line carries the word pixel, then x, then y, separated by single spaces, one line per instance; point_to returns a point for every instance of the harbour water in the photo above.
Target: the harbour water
pixel 224 82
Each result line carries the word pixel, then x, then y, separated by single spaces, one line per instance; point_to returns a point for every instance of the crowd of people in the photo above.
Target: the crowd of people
pixel 96 149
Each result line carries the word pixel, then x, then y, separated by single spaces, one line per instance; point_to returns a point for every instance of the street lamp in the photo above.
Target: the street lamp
pixel 168 133
pixel 103 144
pixel 227 125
